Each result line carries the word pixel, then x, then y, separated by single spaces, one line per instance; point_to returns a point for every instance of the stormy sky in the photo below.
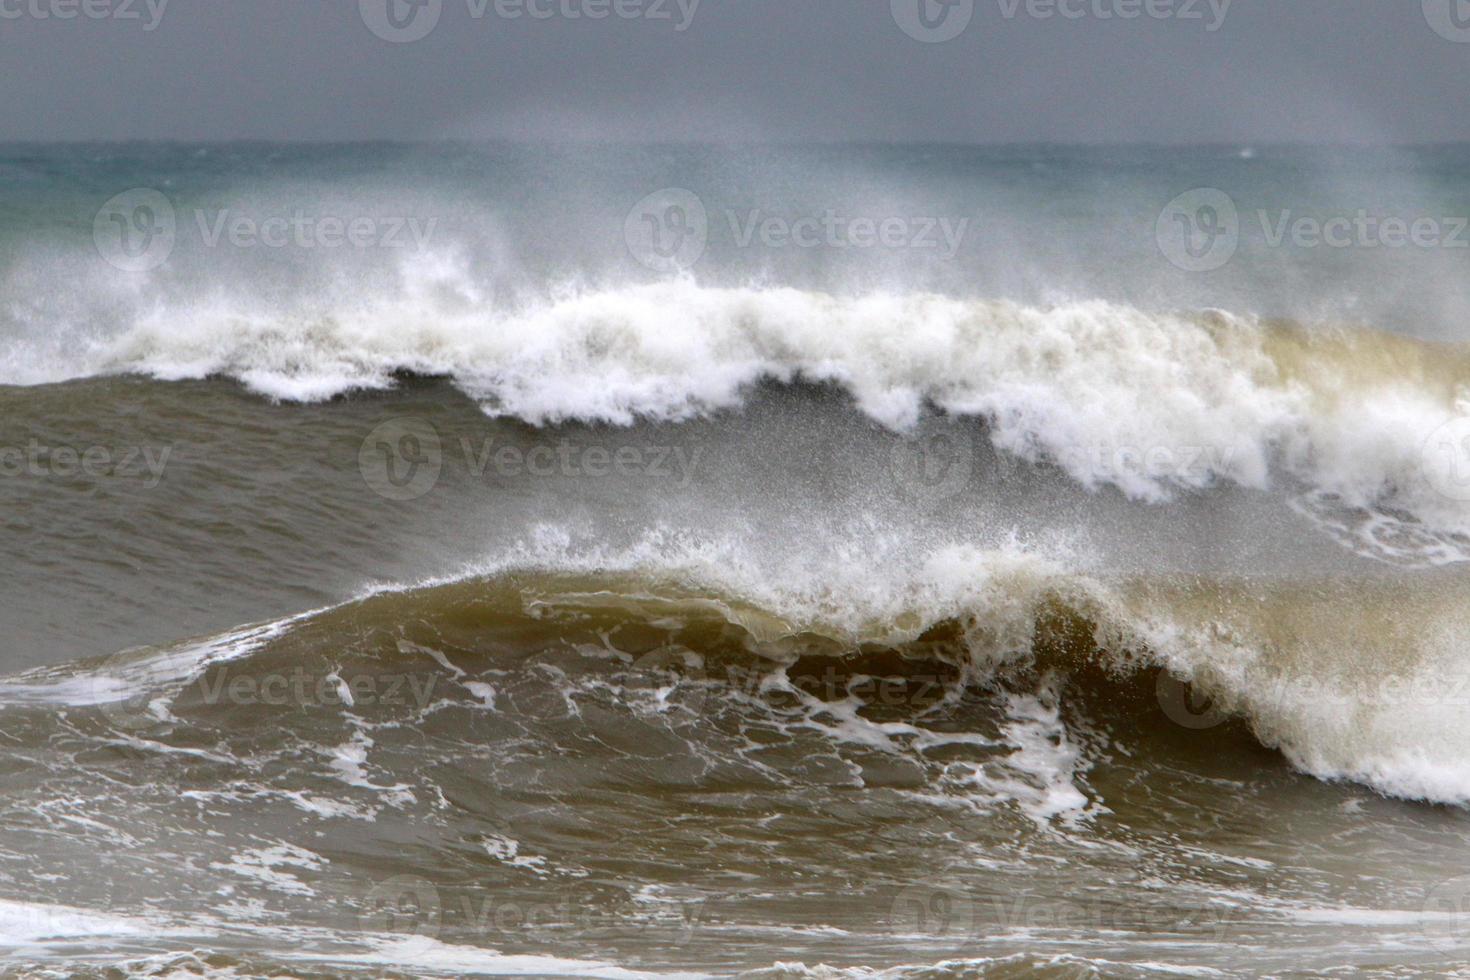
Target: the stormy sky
pixel 1177 71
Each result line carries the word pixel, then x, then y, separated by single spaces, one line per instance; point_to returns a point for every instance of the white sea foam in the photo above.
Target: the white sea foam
pixel 430 956
pixel 24 923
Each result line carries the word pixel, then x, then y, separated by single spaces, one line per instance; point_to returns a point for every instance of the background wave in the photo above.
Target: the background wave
pixel 1201 399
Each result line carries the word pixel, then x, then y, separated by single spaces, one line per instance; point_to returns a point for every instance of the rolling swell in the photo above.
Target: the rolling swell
pixel 1183 663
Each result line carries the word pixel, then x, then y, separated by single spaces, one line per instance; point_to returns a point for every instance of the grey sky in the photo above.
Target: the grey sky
pixel 1275 70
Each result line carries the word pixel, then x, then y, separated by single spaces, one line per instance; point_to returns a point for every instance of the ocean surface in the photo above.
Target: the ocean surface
pixel 779 561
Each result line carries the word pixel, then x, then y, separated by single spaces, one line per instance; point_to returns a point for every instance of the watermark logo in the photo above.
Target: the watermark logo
pixel 926 910
pixel 566 459
pixel 135 231
pixel 401 458
pixel 1445 460
pixel 119 690
pixel 1448 905
pixel 1199 231
pixel 1185 706
pixel 673 677
pixel 401 21
pixel 934 466
pixel 405 906
pixel 1450 19
pixel 933 21
pixel 668 230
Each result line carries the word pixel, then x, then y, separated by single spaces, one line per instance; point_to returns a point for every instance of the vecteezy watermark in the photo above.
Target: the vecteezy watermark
pixel 148 13
pixel 937 21
pixel 1123 466
pixel 312 231
pixel 1445 460
pixel 1447 913
pixel 830 683
pixel 1186 705
pixel 833 230
pixel 404 21
pixel 1201 230
pixel 121 687
pixel 402 459
pixel 1362 230
pixel 659 673
pixel 940 463
pixel 402 906
pixel 669 230
pixel 1450 19
pixel 568 459
pixel 951 914
pixel 34 459
pixel 410 906
pixel 935 465
pixel 134 692
pixel 934 912
pixel 139 229
pixel 300 688
pixel 135 230
pixel 1212 12
pixel 932 21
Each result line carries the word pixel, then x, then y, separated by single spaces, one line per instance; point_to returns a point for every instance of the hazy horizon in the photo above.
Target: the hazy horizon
pixel 634 142
pixel 1165 72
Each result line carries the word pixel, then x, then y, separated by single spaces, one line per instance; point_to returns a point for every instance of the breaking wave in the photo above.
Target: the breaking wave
pixel 1364 418
pixel 1285 660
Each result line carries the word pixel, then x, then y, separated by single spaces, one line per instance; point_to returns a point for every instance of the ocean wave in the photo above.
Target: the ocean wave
pixel 1289 660
pixel 1370 419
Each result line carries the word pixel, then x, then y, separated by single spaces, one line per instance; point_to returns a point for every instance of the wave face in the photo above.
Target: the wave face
pixel 508 599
